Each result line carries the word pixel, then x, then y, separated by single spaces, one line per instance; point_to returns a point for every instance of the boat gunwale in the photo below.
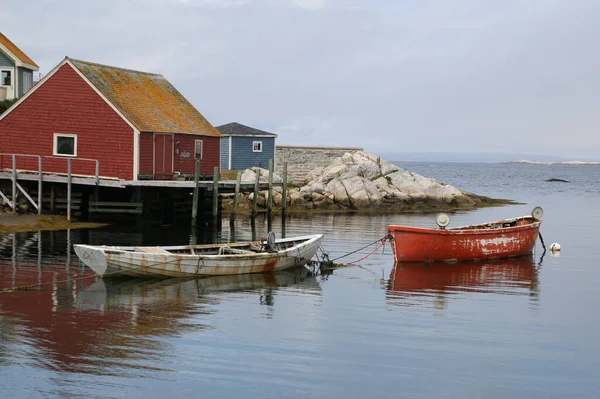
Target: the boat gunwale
pixel 478 229
pixel 131 250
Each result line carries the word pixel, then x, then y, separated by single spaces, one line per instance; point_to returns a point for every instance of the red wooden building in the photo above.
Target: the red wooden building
pixel 136 124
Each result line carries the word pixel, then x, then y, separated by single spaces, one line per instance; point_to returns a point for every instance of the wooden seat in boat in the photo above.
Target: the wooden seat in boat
pixel 152 250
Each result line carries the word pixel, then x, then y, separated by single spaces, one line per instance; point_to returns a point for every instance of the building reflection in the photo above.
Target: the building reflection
pixel 71 320
pixel 413 284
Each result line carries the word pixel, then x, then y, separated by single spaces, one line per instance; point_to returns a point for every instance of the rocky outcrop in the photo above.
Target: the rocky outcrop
pixel 362 181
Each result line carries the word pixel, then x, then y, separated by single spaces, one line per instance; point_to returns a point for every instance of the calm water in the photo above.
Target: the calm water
pixel 525 328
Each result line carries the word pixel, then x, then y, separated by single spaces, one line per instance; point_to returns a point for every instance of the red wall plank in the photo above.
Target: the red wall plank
pixel 185 162
pixel 65 103
pixel 146 154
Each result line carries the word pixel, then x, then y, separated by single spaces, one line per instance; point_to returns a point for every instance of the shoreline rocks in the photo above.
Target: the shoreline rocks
pixel 360 181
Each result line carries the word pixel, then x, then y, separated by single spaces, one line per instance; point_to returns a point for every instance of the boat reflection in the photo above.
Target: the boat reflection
pixel 106 294
pixel 413 284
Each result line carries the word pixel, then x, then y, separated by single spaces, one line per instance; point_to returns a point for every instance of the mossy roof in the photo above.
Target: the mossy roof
pixel 16 51
pixel 147 100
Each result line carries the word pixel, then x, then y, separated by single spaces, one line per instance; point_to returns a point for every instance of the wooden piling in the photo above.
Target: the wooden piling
pixel 195 197
pixel 215 208
pixel 138 200
pixel 69 178
pixel 284 189
pixel 236 197
pixel 52 197
pixel 283 226
pixel 269 221
pixel 40 180
pixel 232 228
pixel 255 197
pixel 270 199
pixel 14 183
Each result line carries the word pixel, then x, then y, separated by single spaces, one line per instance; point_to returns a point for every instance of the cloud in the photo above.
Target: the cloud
pixel 309 4
pixel 464 76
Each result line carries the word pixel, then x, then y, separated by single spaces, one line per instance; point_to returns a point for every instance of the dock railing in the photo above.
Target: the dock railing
pixel 27 163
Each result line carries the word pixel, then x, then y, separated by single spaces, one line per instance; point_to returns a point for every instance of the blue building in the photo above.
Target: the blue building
pixel 243 147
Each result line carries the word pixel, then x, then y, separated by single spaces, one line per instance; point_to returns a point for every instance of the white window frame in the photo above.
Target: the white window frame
pixel 55 144
pixel 12 77
pixel 254 146
pixel 201 149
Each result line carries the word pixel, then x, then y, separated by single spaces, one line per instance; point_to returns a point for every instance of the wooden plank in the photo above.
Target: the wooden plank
pixel 36 206
pixel 101 210
pixel 6 199
pixel 125 204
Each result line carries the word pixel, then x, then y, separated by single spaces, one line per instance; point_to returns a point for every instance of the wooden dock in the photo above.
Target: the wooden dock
pixel 35 185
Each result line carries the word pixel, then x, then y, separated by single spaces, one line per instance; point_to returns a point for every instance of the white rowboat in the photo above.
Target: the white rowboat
pixel 200 260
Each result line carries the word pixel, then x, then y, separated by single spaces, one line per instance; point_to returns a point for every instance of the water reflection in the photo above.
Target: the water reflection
pixel 435 283
pixel 77 322
pixel 107 294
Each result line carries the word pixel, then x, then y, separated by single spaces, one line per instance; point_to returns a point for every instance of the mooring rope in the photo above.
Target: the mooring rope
pixel 36 287
pixel 542 241
pixel 381 242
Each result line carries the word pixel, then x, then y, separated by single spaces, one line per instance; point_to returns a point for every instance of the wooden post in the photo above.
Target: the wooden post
pixel 195 197
pixel 255 197
pixel 284 189
pixel 40 186
pixel 215 209
pixel 52 197
pixel 283 225
pixel 139 199
pixel 232 228
pixel 236 197
pixel 269 221
pixel 270 199
pixel 14 183
pixel 253 227
pixel 69 189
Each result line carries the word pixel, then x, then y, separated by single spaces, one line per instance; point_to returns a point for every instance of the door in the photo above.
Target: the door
pixel 163 156
pixel 7 84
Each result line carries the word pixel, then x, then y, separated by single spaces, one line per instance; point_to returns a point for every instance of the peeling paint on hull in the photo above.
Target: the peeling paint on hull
pixel 494 240
pixel 118 262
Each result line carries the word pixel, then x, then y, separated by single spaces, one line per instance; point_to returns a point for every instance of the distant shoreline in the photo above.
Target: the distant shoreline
pixel 573 163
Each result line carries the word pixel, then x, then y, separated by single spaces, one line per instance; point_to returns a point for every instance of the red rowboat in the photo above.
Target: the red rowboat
pixel 494 240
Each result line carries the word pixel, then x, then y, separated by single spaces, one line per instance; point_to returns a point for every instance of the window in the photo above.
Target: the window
pixel 198 149
pixel 65 144
pixel 257 146
pixel 6 79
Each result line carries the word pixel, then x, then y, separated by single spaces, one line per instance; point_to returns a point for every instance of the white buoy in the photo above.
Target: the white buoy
pixel 555 247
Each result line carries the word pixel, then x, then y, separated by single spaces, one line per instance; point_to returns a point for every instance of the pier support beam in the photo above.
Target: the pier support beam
pixel 215 193
pixel 255 197
pixel 69 178
pixel 40 181
pixel 270 198
pixel 284 190
pixel 195 196
pixel 14 183
pixel 236 197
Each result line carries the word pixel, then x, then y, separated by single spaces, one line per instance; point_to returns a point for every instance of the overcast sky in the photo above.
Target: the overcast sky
pixel 518 76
